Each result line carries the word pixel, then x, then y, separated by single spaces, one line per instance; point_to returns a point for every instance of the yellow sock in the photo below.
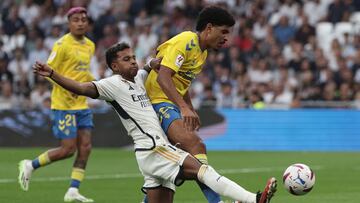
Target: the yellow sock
pixel 41 160
pixel 202 158
pixel 77 175
pixel 44 159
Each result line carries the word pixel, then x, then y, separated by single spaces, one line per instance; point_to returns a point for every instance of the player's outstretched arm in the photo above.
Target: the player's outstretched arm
pixel 86 89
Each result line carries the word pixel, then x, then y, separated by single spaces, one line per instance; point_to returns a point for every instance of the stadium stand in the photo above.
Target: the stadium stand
pixel 282 53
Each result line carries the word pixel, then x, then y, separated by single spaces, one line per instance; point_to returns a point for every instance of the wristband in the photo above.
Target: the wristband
pixel 149 63
pixel 51 73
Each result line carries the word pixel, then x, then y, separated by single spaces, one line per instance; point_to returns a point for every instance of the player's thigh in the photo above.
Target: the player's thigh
pixel 69 144
pixel 84 120
pixel 172 124
pixel 167 113
pixel 160 194
pixel 84 137
pixel 161 166
pixel 64 124
pixel 178 134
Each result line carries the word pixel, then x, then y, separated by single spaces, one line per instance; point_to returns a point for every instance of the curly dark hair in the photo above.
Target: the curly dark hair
pixel 215 15
pixel 111 53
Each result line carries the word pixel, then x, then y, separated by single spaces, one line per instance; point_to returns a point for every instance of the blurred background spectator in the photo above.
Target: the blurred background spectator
pixel 281 53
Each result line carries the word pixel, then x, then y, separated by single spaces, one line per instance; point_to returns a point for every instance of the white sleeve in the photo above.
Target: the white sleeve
pixel 142 75
pixel 104 89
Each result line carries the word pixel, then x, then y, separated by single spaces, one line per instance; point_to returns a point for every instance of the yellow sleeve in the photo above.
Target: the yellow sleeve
pixel 57 56
pixel 91 76
pixel 174 55
pixel 93 48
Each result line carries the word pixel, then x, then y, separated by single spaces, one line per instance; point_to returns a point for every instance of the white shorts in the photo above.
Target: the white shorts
pixel 161 166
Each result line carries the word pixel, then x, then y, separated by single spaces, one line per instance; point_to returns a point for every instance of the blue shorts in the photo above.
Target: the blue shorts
pixel 66 123
pixel 167 113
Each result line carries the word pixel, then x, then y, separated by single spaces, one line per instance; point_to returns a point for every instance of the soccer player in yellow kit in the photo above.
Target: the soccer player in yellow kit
pixel 183 58
pixel 72 118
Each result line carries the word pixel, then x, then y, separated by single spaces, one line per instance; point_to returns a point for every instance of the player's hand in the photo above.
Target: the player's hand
pixel 189 119
pixel 42 69
pixel 155 63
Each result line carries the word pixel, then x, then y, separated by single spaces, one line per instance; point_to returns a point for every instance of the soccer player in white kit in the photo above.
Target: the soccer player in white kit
pixel 163 165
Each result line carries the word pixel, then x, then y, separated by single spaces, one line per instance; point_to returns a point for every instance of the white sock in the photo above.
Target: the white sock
pixel 224 186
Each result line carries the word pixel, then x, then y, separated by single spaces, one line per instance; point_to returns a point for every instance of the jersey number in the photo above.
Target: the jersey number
pixel 70 120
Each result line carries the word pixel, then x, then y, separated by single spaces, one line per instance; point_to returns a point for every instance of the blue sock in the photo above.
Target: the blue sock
pixel 211 195
pixel 75 183
pixel 145 199
pixel 35 163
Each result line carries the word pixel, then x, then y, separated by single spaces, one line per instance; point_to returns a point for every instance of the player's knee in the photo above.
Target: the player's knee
pixel 85 148
pixel 68 151
pixel 199 146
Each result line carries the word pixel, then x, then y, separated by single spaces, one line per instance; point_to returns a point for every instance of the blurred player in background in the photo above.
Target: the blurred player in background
pixel 183 58
pixel 72 118
pixel 163 165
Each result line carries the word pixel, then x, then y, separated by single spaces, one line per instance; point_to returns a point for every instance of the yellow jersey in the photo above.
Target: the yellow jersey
pixel 70 58
pixel 182 54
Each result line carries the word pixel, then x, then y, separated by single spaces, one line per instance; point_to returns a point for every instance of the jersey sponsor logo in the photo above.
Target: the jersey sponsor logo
pixel 188 75
pixel 179 60
pixel 82 66
pixel 140 97
pixel 143 99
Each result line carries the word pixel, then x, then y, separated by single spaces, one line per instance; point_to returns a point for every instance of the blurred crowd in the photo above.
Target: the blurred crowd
pixel 273 59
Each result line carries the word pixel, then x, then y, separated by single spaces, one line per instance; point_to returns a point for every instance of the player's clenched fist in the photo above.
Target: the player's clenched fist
pixel 42 69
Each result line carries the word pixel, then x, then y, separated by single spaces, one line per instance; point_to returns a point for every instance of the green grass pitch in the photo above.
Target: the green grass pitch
pixel 113 177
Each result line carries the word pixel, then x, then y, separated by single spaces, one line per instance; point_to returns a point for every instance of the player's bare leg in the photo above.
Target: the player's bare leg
pixel 189 141
pixel 192 143
pixel 222 185
pixel 26 167
pixel 67 149
pixel 78 172
pixel 161 194
pixel 84 148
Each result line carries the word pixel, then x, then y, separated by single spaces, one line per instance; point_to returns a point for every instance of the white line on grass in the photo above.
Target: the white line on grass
pixel 138 175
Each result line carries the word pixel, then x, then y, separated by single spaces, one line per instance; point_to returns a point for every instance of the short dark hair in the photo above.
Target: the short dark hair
pixel 215 15
pixel 111 53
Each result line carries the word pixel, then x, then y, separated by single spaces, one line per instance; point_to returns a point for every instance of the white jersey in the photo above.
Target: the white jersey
pixel 134 108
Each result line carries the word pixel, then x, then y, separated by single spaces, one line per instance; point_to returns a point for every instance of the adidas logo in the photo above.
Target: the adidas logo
pixel 130 87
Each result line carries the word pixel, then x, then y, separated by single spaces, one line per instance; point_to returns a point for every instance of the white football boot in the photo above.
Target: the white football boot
pixel 73 195
pixel 25 171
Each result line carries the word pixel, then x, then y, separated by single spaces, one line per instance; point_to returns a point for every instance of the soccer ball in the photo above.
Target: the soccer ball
pixel 298 179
